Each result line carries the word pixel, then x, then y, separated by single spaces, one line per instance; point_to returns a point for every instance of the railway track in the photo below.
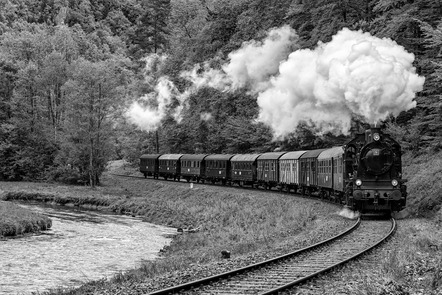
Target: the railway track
pixel 287 271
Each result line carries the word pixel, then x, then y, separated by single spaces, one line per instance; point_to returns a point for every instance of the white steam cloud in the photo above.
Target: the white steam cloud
pixel 148 118
pixel 250 66
pixel 349 214
pixel 355 74
pixel 153 107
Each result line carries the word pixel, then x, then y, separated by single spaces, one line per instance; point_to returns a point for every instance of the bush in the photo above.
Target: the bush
pixel 65 174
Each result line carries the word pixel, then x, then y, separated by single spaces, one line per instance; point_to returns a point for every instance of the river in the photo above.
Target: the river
pixel 81 246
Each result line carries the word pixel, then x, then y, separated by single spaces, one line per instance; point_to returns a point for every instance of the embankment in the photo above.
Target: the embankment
pixel 15 220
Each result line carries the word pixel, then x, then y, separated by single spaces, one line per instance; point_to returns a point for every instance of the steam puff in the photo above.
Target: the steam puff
pixel 256 61
pixel 148 118
pixel 354 74
pixel 250 66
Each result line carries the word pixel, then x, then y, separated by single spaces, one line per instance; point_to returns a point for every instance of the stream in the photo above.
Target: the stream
pixel 81 246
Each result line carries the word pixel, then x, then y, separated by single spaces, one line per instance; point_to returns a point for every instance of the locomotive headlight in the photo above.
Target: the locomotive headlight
pixel 394 182
pixel 358 182
pixel 376 136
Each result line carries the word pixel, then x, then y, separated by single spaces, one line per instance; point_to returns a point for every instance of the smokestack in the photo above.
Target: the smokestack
pixel 370 133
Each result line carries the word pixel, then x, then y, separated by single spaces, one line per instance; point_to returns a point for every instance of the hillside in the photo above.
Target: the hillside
pixel 81 84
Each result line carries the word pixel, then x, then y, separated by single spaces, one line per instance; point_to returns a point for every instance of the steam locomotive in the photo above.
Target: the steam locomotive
pixel 365 174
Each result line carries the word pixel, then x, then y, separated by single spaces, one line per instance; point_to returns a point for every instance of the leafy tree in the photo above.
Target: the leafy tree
pixel 151 32
pixel 95 92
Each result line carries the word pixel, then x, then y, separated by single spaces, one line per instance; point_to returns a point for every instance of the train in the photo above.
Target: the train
pixel 365 174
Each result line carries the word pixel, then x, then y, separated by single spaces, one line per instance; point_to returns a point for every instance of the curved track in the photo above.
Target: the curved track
pixel 272 276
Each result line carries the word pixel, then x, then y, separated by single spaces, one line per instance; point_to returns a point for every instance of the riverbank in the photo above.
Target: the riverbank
pixel 15 220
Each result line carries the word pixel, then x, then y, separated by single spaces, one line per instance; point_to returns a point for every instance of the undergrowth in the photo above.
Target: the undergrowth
pixel 15 220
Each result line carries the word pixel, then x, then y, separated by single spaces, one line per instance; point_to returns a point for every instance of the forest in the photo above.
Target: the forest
pixel 83 82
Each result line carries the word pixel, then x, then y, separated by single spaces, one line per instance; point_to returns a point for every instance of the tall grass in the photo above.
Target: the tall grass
pixel 15 220
pixel 417 263
pixel 424 174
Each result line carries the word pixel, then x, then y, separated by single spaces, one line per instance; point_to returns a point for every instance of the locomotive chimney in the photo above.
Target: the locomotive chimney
pixel 372 133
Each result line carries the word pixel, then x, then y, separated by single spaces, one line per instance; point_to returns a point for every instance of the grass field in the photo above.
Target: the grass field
pixel 15 220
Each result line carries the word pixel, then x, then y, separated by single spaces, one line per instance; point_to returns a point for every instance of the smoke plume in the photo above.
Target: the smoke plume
pixel 355 74
pixel 148 113
pixel 251 66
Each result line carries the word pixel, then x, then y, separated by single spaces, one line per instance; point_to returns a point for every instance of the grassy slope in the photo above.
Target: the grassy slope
pixel 424 174
pixel 15 220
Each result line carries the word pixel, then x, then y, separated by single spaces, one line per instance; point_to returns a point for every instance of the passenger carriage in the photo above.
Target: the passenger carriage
pixel 289 165
pixel 268 169
pixel 193 167
pixel 244 170
pixel 169 166
pixel 308 171
pixel 149 165
pixel 331 173
pixel 218 168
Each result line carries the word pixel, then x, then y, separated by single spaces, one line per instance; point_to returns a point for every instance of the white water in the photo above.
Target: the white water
pixel 81 246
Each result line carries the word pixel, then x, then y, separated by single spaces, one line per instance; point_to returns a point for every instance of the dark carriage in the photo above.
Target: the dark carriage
pixel 308 171
pixel 244 170
pixel 218 168
pixel 193 167
pixel 149 165
pixel 331 172
pixel 169 166
pixel 268 169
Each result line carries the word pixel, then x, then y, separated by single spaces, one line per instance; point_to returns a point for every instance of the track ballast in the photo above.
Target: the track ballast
pixel 275 275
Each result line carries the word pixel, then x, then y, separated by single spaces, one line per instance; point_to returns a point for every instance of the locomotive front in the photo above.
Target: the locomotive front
pixel 376 183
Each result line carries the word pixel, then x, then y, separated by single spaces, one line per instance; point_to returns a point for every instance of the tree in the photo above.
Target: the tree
pixel 151 32
pixel 95 93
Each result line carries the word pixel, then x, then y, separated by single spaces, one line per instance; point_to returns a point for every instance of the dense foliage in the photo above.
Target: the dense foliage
pixel 70 69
